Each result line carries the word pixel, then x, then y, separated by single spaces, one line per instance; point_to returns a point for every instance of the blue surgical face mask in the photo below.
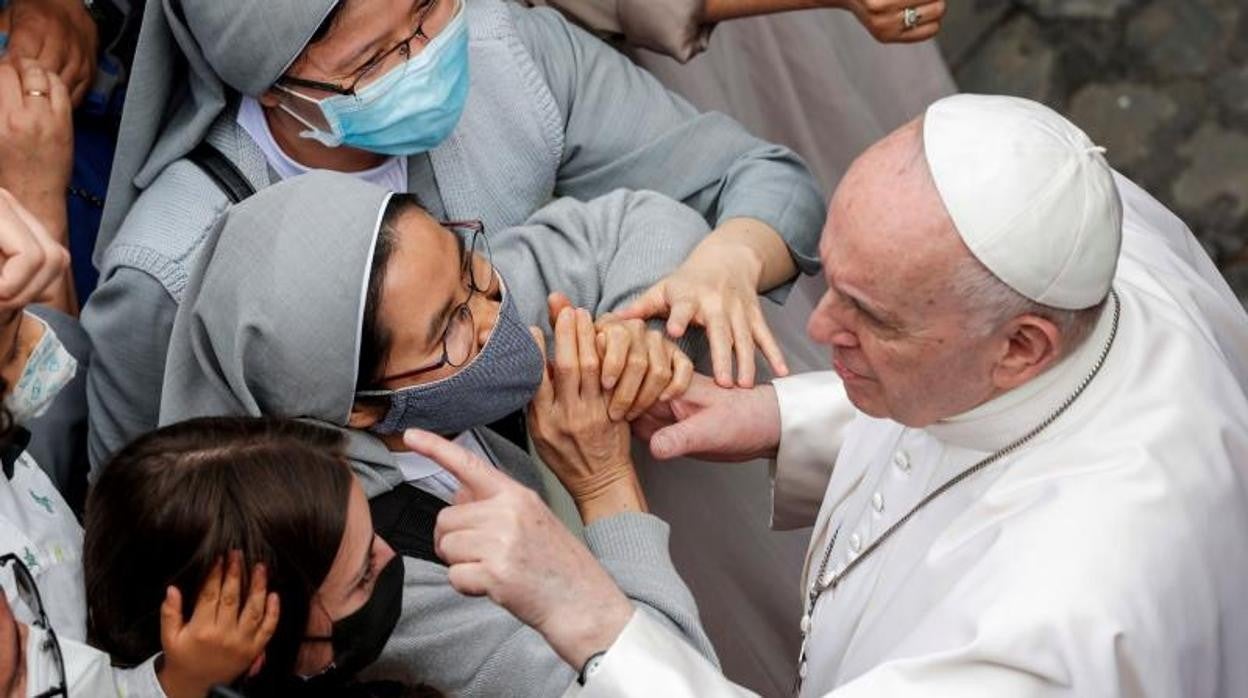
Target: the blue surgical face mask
pixel 411 109
pixel 500 379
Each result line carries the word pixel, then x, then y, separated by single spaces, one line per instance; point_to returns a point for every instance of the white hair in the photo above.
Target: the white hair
pixel 991 303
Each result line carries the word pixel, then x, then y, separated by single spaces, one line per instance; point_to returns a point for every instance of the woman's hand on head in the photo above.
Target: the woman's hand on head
pixel 717 288
pixel 500 540
pixel 226 635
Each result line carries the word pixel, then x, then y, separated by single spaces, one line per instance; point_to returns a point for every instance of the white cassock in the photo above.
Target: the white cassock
pixel 1107 557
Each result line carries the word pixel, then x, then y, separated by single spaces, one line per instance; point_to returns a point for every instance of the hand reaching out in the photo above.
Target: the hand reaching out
pixel 225 636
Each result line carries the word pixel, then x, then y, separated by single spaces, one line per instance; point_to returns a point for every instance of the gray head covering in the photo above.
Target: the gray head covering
pixel 270 322
pixel 190 53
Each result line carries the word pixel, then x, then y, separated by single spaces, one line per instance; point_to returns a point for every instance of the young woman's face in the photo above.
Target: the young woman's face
pixel 349 584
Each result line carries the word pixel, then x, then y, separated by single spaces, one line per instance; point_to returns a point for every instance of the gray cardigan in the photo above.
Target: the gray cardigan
pixel 468 646
pixel 552 111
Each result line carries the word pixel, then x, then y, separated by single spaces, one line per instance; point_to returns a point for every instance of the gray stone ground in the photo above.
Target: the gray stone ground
pixel 1162 83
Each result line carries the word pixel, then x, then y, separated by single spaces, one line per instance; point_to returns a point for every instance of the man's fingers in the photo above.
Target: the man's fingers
pixel 462 517
pixel 171 622
pixel 697 434
pixel 466 545
pixel 479 478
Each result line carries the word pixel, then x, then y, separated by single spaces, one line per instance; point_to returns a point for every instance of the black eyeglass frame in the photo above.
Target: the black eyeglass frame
pixel 28 591
pixel 351 90
pixel 477 229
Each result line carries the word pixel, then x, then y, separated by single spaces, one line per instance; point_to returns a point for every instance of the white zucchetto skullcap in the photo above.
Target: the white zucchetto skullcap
pixel 1030 194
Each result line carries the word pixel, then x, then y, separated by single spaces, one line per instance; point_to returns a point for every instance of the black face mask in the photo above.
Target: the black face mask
pixel 359 638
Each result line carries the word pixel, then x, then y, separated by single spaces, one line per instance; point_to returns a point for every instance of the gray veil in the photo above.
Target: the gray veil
pixel 270 321
pixel 190 53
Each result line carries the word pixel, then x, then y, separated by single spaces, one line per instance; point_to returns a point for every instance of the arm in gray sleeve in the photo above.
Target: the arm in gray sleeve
pixel 129 318
pixel 468 646
pixel 600 253
pixel 624 129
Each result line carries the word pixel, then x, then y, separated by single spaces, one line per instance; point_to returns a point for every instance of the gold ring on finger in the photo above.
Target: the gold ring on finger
pixel 36 93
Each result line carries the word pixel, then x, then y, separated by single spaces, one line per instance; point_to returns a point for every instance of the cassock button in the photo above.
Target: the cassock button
pixel 877 502
pixel 902 461
pixel 855 543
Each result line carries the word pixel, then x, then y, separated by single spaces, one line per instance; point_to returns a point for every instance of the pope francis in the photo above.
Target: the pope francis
pixel 1027 472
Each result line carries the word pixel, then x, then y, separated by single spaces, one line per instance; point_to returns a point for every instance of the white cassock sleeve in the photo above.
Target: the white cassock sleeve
pixel 814 412
pixel 649 660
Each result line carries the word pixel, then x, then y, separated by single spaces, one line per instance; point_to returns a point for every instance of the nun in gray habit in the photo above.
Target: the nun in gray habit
pixel 271 325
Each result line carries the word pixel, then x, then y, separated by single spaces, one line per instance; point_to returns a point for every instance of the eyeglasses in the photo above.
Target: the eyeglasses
pixel 477 271
pixel 374 68
pixel 28 594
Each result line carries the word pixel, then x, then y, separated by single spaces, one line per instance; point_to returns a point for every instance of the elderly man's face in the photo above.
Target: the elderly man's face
pixel 898 336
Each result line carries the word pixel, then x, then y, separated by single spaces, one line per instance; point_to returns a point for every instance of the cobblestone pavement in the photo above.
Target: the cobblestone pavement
pixel 1162 83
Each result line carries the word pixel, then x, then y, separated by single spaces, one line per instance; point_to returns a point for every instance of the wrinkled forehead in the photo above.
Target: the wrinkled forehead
pixel 887 228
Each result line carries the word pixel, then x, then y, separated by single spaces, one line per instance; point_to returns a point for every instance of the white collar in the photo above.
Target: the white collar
pixel 1002 420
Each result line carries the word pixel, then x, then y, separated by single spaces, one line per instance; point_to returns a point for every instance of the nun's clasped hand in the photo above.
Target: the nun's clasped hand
pixel 568 419
pixel 500 540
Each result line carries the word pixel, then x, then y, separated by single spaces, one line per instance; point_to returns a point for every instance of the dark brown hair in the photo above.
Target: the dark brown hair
pixel 174 501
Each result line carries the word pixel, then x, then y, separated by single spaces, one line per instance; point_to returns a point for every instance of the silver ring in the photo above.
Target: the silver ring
pixel 36 93
pixel 910 19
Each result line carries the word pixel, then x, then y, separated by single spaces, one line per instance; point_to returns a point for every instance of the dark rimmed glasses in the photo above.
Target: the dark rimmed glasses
pixel 477 271
pixel 375 67
pixel 28 594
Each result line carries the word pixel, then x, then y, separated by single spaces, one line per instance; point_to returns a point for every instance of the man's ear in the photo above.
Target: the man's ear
pixel 367 413
pixel 1031 344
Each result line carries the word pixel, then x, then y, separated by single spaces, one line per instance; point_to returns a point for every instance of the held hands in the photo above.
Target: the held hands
pixel 499 540
pixel 225 636
pixel 639 365
pixel 61 35
pixel 713 423
pixel 717 288
pixel 571 429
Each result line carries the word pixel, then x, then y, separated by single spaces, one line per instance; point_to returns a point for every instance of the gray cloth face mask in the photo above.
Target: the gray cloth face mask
pixel 500 379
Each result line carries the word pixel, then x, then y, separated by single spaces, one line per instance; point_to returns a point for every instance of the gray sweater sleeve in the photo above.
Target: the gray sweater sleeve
pixel 471 647
pixel 128 319
pixel 624 129
pixel 600 253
